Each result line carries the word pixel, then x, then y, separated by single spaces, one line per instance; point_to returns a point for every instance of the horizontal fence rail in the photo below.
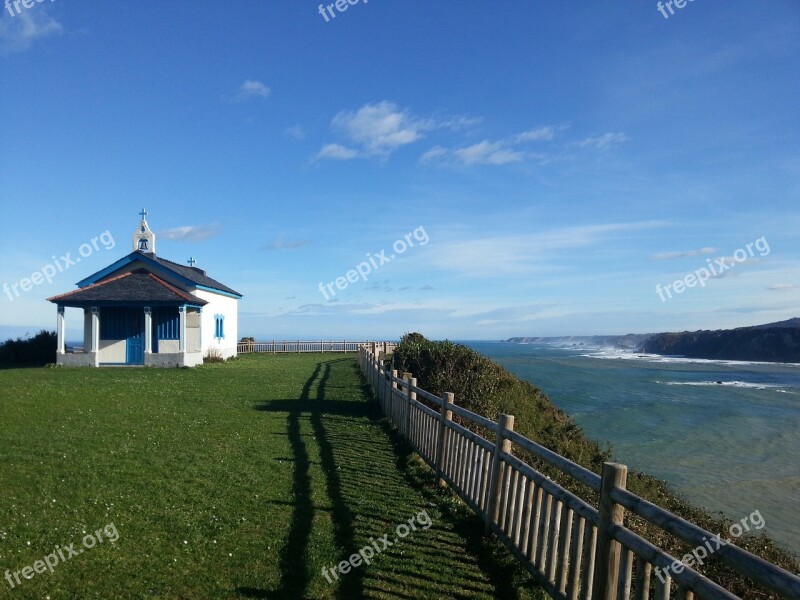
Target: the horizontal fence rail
pixel 573 549
pixel 282 346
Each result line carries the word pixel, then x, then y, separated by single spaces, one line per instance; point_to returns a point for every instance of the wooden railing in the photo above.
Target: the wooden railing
pixel 282 346
pixel 574 550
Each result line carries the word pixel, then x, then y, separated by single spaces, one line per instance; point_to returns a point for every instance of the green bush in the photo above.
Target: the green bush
pixel 36 351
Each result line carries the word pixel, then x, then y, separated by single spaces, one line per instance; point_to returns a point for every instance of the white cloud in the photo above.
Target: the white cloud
pixel 433 154
pixel 672 255
pixel 459 123
pixel 251 89
pixel 18 33
pixel 189 233
pixel 536 135
pixel 603 142
pixel 337 152
pixel 381 128
pixel 482 153
pixel 487 153
pixel 782 287
pixel 519 255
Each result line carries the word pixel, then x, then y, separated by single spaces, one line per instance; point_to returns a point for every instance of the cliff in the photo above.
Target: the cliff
pixel 772 342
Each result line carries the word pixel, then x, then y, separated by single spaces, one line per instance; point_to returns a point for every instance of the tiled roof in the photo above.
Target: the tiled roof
pixel 194 274
pixel 134 287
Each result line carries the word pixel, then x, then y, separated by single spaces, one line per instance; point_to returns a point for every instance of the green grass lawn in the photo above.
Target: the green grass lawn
pixel 238 480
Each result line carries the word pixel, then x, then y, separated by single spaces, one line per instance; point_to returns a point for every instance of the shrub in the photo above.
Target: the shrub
pixel 36 351
pixel 214 355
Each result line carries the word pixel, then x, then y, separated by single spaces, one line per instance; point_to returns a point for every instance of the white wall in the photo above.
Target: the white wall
pixel 219 305
pixel 113 351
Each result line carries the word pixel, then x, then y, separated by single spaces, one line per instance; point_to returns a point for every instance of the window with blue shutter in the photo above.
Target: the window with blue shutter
pixel 219 326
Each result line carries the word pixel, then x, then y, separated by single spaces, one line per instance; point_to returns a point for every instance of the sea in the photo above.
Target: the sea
pixel 723 434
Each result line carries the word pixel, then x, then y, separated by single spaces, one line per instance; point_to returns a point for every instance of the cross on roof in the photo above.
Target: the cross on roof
pixel 191 261
pixel 143 214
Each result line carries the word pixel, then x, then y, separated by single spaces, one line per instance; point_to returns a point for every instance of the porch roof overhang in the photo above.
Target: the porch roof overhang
pixel 137 288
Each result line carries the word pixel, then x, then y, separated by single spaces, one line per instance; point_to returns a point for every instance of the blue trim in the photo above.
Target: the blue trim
pixel 157 268
pixel 134 256
pixel 124 304
pixel 216 291
pixel 109 269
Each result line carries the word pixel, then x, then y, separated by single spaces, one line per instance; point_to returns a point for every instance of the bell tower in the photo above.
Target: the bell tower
pixel 144 240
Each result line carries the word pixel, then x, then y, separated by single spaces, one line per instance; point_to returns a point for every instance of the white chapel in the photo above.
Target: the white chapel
pixel 146 310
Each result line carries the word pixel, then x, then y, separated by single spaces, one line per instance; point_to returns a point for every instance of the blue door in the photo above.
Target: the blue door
pixel 135 354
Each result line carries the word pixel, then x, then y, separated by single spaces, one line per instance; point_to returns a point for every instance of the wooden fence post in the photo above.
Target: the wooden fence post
pixel 412 395
pixel 387 382
pixel 502 444
pixel 376 369
pixel 387 410
pixel 446 415
pixel 608 553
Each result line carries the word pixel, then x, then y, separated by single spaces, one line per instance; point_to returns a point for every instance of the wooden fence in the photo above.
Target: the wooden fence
pixel 574 550
pixel 281 346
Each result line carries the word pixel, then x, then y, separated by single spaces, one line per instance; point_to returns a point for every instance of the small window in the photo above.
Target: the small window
pixel 219 327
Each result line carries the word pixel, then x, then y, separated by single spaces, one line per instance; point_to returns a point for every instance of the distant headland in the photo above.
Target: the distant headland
pixel 772 342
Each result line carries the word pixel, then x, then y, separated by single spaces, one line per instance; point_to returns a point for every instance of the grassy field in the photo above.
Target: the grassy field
pixel 240 480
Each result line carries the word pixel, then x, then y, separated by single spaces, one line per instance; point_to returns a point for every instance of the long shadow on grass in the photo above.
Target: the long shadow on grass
pixel 295 576
pixel 503 571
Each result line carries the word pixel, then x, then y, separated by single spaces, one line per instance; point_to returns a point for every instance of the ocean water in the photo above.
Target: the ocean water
pixel 723 434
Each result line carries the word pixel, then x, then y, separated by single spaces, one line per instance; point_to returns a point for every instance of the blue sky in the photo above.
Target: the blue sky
pixel 561 159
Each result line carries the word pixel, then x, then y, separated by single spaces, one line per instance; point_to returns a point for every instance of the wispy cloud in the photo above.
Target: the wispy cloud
pixel 379 129
pixel 782 287
pixel 482 153
pixel 520 255
pixel 487 153
pixel 18 33
pixel 688 253
pixel 251 89
pixel 190 233
pixel 603 142
pixel 337 152
pixel 281 244
pixel 490 152
pixel 538 134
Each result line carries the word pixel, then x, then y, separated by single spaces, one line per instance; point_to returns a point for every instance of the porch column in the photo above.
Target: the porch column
pixel 60 330
pixel 148 330
pixel 94 332
pixel 182 329
pixel 94 336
